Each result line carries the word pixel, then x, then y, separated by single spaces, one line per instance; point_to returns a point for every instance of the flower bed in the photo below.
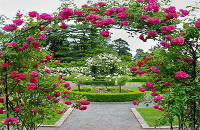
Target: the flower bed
pixel 131 95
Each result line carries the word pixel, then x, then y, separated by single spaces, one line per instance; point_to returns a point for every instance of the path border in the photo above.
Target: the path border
pixel 143 122
pixel 62 119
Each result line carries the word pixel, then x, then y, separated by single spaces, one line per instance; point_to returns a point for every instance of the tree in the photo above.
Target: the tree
pixel 76 44
pixel 139 54
pixel 121 47
pixel 104 64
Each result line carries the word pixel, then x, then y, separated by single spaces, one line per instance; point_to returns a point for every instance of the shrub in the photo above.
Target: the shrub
pixel 138 80
pixel 109 97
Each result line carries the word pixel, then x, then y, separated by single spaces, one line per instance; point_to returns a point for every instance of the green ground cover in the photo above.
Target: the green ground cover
pixel 50 121
pixel 151 116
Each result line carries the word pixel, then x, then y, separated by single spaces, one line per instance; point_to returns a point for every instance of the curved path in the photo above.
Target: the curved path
pixel 102 116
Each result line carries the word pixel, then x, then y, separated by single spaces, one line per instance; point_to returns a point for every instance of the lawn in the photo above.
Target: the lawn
pixel 50 121
pixel 151 116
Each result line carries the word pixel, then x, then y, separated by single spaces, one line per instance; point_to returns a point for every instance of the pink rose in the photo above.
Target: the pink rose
pixel 32 86
pixel 104 33
pixel 149 84
pixel 156 107
pixel 42 36
pixel 56 101
pixel 134 102
pixel 57 94
pixel 14 119
pixel 49 97
pixel 197 24
pixel 46 16
pixel 48 57
pixel 20 49
pixel 17 109
pixel 57 62
pixel 139 63
pixel 68 103
pixel 155 70
pixel 178 41
pixel 34 74
pixel 64 26
pixel 78 12
pixel 25 45
pixel 83 108
pixel 167 84
pixel 124 23
pixel 18 22
pixel 151 33
pixel 181 75
pixel 142 89
pixel 14 73
pixel 158 98
pixel 168 37
pixel 56 85
pixel 21 76
pixel 29 39
pixel 101 4
pixel 84 102
pixel 1 100
pixel 33 14
pixel 48 71
pixel 144 17
pixel 36 44
pixel 133 68
pixel 34 111
pixel 165 44
pixel 33 80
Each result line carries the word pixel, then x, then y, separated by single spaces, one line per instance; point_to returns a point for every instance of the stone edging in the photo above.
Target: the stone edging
pixel 143 122
pixel 61 120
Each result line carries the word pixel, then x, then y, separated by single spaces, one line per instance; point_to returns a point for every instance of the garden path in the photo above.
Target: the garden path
pixel 102 116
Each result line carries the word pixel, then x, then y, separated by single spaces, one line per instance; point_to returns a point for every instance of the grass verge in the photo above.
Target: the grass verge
pixel 51 121
pixel 152 116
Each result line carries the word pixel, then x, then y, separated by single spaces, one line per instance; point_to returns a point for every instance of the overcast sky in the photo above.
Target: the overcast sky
pixel 10 7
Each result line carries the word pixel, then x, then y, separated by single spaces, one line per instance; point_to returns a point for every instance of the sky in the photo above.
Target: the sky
pixel 10 7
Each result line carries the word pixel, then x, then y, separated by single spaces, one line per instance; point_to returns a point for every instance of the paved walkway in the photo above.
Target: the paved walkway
pixel 102 116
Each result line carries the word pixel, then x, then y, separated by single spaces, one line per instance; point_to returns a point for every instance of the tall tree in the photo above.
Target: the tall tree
pixel 77 43
pixel 138 55
pixel 122 49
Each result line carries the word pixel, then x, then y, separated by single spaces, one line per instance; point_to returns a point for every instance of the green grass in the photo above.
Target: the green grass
pixel 53 120
pixel 50 121
pixel 151 116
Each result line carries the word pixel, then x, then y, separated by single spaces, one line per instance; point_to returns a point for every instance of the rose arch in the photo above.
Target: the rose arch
pixel 30 92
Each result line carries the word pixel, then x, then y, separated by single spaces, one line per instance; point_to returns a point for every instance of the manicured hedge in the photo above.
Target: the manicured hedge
pixel 99 83
pixel 138 80
pixel 110 97
pixel 100 78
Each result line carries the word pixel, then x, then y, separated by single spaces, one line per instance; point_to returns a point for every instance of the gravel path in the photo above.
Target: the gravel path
pixel 102 116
